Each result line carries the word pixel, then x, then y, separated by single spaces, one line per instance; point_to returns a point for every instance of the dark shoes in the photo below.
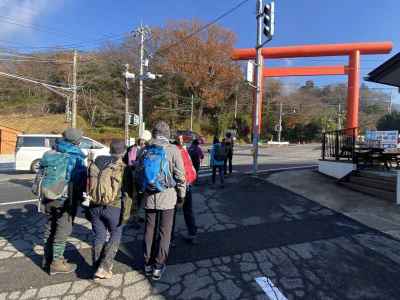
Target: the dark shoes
pixel 148 270
pixel 61 266
pixel 158 272
pixel 154 272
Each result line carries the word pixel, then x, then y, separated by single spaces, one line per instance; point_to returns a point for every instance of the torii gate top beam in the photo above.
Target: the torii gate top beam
pixel 314 50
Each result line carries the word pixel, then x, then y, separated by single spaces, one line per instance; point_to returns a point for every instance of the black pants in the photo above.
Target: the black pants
pixel 228 160
pixel 196 165
pixel 187 214
pixel 157 236
pixel 220 173
pixel 57 229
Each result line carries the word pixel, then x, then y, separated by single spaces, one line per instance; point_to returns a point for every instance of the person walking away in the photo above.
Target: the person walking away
pixel 110 190
pixel 196 155
pixel 229 153
pixel 187 205
pixel 62 183
pixel 218 155
pixel 161 179
pixel 134 152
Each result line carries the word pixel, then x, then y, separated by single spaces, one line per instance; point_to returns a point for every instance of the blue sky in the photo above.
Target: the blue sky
pixel 58 22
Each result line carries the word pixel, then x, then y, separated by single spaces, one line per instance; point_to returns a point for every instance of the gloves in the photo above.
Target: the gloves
pixel 180 201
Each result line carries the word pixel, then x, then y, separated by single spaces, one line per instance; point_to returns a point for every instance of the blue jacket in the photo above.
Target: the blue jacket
pixel 215 162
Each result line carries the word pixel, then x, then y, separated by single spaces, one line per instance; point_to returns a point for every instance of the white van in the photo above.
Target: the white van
pixel 31 147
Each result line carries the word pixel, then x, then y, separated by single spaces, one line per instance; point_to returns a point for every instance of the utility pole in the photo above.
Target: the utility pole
pixel 74 91
pixel 191 114
pixel 68 109
pixel 126 106
pixel 236 101
pixel 390 103
pixel 127 76
pixel 142 32
pixel 280 122
pixel 339 118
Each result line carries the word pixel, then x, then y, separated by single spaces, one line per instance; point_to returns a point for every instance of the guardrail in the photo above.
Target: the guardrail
pixel 339 144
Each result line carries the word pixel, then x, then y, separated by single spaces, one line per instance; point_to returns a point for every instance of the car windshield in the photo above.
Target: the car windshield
pixel 89 144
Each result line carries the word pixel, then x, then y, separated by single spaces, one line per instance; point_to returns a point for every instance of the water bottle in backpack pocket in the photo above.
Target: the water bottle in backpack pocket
pixel 154 173
pixel 54 184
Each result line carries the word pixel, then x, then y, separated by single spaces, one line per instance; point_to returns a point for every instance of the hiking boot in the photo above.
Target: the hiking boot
pixel 61 266
pixel 158 272
pixel 102 273
pixel 148 270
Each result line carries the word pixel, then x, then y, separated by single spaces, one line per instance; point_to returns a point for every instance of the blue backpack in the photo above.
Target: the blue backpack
pixel 54 184
pixel 154 175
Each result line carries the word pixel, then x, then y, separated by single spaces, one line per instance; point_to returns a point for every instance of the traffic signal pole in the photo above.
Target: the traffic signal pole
pixel 259 78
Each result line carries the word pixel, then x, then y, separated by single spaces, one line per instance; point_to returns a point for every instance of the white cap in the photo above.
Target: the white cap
pixel 146 135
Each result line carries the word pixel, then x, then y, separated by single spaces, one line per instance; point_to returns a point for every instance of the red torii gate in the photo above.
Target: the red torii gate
pixel 352 50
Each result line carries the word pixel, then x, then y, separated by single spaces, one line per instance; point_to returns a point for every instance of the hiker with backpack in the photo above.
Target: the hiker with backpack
pixel 161 179
pixel 196 155
pixel 217 159
pixel 187 205
pixel 62 177
pixel 110 191
pixel 133 152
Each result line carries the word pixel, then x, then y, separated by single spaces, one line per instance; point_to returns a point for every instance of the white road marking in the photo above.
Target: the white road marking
pixel 283 169
pixel 208 173
pixel 272 292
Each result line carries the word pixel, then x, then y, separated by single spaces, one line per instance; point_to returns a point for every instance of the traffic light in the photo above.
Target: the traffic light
pixel 269 19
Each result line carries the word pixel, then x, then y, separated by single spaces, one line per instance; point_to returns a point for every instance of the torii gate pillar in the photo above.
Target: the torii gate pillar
pixel 352 50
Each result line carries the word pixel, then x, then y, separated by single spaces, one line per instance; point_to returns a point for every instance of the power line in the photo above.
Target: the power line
pixel 35 60
pixel 14 76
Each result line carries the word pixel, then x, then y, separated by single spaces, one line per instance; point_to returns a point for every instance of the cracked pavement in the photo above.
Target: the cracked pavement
pixel 250 229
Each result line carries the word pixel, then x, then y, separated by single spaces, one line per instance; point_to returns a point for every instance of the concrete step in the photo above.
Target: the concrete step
pixel 374 182
pixel 378 193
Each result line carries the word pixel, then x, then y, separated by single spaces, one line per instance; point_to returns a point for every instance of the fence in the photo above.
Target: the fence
pixel 339 144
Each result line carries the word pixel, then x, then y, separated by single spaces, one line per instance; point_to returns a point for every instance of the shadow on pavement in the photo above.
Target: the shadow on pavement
pixel 23 182
pixel 23 228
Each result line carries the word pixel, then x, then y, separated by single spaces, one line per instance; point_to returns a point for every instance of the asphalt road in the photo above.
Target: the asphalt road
pixel 250 229
pixel 17 186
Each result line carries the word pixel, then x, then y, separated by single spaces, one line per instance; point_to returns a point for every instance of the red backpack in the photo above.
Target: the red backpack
pixel 190 172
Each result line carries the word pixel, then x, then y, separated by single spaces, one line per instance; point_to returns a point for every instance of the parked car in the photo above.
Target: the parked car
pixel 31 147
pixel 189 136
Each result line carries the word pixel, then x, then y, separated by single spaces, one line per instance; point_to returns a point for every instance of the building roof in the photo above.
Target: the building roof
pixel 387 73
pixel 16 131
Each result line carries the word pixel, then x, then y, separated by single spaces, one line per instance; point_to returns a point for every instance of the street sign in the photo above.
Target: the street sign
pixel 250 71
pixel 134 119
